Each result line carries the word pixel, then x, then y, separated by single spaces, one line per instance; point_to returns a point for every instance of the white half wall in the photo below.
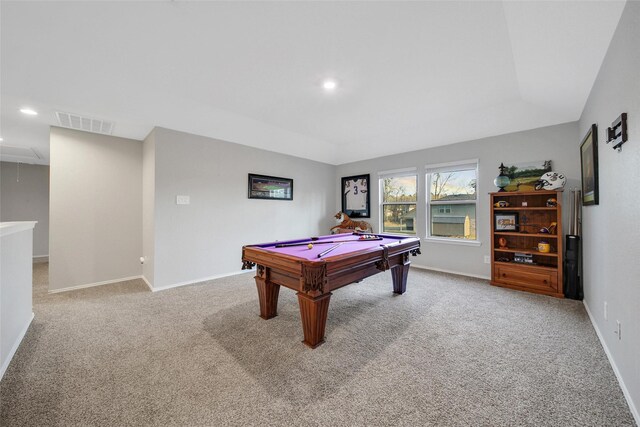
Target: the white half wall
pixel 204 239
pixel 95 209
pixel 555 143
pixel 16 283
pixel 24 196
pixel 611 232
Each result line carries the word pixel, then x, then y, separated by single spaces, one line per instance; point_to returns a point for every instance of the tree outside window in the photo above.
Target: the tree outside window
pixel 452 202
pixel 399 204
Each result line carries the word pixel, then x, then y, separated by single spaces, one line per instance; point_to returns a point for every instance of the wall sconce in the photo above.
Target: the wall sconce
pixel 618 132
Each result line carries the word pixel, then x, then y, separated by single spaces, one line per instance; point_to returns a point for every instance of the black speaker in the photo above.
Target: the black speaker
pixel 572 286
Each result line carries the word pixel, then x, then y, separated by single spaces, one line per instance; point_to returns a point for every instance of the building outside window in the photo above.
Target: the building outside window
pixel 452 201
pixel 398 194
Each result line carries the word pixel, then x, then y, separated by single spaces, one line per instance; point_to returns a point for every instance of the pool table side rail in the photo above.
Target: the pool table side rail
pixel 348 268
pixel 336 271
pixel 266 258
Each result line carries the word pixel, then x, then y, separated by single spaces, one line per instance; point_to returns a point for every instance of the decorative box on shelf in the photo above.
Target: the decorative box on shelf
pixel 526 241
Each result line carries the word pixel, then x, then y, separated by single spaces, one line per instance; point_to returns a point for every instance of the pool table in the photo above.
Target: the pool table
pixel 328 263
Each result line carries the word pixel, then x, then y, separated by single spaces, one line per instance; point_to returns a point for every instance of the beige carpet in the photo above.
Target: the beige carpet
pixel 452 351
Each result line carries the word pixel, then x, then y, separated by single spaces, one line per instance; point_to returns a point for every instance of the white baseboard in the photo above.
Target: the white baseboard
pixel 91 285
pixel 40 258
pixel 144 279
pixel 459 273
pixel 625 391
pixel 6 363
pixel 203 279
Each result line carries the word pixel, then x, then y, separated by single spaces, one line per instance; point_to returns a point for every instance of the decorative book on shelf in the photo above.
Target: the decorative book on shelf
pixel 526 241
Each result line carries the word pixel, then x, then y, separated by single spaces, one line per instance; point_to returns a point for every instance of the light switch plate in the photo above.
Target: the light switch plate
pixel 182 200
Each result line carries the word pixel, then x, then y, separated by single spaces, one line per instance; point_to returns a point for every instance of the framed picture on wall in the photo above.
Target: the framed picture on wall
pixel 355 196
pixel 589 166
pixel 270 187
pixel 524 175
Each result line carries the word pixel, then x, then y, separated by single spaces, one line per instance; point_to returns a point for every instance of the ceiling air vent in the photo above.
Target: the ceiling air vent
pixel 87 124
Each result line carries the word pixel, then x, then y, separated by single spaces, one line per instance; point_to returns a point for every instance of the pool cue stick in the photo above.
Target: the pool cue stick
pixel 286 245
pixel 321 254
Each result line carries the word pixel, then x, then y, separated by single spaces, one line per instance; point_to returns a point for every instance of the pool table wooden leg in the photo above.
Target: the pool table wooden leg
pixel 313 312
pixel 399 274
pixel 268 296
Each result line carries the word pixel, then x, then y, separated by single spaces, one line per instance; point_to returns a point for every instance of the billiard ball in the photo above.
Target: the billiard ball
pixel 310 246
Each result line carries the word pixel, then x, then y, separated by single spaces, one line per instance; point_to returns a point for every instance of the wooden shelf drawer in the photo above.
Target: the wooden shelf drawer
pixel 522 276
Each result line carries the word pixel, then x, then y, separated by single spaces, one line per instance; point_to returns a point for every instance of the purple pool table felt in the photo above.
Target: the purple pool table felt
pixel 352 244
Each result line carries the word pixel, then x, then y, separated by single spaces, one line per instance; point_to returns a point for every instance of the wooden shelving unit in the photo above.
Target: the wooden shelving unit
pixel 544 276
pixel 527 251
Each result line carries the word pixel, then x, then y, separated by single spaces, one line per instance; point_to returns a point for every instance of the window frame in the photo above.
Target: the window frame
pixel 397 173
pixel 471 164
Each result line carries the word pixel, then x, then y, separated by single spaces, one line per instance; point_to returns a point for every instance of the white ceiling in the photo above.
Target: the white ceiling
pixel 411 75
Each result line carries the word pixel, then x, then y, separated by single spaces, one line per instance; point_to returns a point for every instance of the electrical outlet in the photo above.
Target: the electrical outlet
pixel 182 200
pixel 605 310
pixel 618 330
pixel 487 260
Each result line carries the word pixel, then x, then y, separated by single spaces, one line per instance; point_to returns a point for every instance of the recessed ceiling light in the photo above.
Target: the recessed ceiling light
pixel 329 85
pixel 29 111
pixel 1 139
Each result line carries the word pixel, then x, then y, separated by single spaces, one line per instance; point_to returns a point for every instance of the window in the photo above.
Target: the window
pixel 398 191
pixel 452 201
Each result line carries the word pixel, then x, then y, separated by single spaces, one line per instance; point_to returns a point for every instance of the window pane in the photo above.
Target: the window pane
pixel 400 189
pixel 399 218
pixel 458 223
pixel 454 185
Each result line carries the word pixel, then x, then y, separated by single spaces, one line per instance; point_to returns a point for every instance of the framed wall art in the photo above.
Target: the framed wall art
pixel 506 222
pixel 524 175
pixel 589 167
pixel 270 187
pixel 355 196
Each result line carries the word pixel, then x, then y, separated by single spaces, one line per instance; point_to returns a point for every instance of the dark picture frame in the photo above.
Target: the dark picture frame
pixel 356 196
pixel 270 187
pixel 589 166
pixel 505 221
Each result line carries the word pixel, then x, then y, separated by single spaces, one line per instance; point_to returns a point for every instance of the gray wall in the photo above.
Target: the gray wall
pixel 148 207
pixel 95 209
pixel 26 199
pixel 556 143
pixel 204 239
pixel 611 232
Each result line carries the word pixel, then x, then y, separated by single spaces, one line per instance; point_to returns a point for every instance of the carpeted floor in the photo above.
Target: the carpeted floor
pixel 452 351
